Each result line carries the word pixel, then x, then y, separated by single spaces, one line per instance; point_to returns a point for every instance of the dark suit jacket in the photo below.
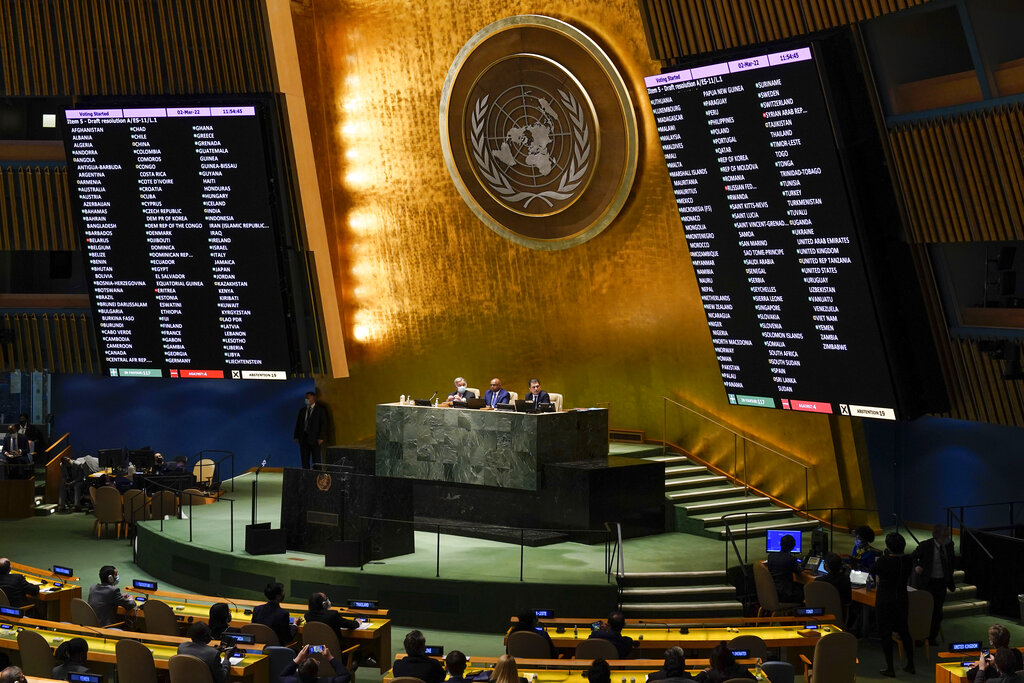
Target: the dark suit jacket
pixel 104 601
pixel 660 675
pixel 541 397
pixel 61 671
pixel 17 589
pixel 210 657
pixel 273 615
pixel 624 644
pixel 454 395
pixel 892 571
pixel 991 673
pixel 341 674
pixel 16 442
pixel 419 666
pixel 310 432
pixel 332 619
pixel 491 397
pixel 924 557
pixel 735 671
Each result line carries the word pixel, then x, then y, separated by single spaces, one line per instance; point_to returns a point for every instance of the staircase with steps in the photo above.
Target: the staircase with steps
pixel 668 595
pixel 703 499
pixel 964 600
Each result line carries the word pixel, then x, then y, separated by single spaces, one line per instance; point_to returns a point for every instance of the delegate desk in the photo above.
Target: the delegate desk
pixel 653 640
pixel 55 602
pixel 373 636
pixel 575 671
pixel 861 594
pixel 484 447
pixel 251 668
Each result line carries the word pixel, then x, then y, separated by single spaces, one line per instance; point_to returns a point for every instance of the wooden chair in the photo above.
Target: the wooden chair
pixel 513 396
pixel 528 645
pixel 204 471
pixel 557 400
pixel 36 656
pixel 193 497
pixel 755 645
pixel 768 595
pixel 160 619
pixel 319 633
pixel 109 509
pixel 279 659
pixel 919 620
pixel 134 662
pixel 4 602
pixel 835 659
pixel 826 596
pixel 263 633
pixel 779 672
pixel 83 614
pixel 476 392
pixel 133 507
pixel 163 504
pixel 188 669
pixel 596 648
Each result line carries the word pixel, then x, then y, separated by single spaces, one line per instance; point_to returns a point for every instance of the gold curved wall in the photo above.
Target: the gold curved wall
pixel 429 292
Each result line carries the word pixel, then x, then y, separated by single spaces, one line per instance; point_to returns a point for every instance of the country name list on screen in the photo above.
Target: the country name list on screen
pixel 173 205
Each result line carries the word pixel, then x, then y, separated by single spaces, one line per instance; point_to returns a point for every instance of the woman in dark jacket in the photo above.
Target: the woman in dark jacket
pixel 893 570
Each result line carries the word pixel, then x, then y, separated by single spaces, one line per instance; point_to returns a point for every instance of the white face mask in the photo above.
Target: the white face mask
pixel 462 389
pixel 327 603
pixel 307 401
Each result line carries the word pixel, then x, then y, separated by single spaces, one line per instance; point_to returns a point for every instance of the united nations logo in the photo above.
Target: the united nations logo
pixel 542 154
pixel 323 482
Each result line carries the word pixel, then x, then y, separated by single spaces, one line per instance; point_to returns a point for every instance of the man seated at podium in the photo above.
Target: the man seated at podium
pixel 495 394
pixel 15 586
pixel 461 393
pixel 537 395
pixel 16 446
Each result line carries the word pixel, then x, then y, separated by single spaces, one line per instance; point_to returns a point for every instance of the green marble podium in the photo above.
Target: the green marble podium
pixel 484 447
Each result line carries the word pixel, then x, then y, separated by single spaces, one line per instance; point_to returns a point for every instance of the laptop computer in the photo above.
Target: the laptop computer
pixel 471 403
pixel 858 578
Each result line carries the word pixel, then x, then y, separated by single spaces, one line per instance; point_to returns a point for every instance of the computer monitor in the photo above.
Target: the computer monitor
pixel 144 459
pixel 773 540
pixel 110 457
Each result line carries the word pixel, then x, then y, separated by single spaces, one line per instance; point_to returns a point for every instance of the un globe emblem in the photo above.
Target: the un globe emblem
pixel 531 142
pixel 544 154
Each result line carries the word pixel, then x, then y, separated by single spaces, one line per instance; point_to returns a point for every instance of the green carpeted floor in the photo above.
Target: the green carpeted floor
pixel 68 540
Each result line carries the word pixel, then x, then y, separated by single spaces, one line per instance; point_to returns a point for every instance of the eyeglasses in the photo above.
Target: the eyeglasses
pixel 495 385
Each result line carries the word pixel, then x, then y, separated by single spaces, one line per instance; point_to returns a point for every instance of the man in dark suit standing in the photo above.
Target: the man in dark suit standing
pixel 15 586
pixel 495 394
pixel 310 430
pixel 933 569
pixel 16 448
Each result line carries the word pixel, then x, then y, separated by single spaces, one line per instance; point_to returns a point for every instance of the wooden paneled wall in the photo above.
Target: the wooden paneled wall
pixel 963 176
pixel 982 394
pixel 35 212
pixel 678 28
pixel 56 343
pixel 87 47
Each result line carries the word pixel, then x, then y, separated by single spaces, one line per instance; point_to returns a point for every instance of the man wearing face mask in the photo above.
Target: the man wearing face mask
pixel 320 610
pixel 461 393
pixel 105 597
pixel 310 430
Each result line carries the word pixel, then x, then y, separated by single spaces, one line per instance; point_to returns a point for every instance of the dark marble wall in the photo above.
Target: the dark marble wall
pixel 317 511
pixel 483 447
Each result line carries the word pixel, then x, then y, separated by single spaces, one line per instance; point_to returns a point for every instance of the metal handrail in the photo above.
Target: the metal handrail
pixel 522 536
pixel 736 435
pixel 963 527
pixel 228 455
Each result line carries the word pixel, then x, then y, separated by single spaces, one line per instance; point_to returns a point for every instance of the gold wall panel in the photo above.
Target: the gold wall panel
pixel 35 211
pixel 963 176
pixel 430 293
pixel 680 28
pixel 54 47
pixel 54 343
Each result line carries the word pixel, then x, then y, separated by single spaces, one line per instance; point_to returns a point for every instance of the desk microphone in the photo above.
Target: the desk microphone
pixel 432 396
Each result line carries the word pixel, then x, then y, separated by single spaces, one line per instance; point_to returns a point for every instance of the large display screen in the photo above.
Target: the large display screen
pixel 175 208
pixel 773 240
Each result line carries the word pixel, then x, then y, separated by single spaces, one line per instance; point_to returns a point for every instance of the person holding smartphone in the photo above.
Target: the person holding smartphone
pixel 305 668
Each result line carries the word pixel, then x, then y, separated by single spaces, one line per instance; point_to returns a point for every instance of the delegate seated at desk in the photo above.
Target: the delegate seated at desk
pixel 199 634
pixel 496 394
pixel 15 586
pixel 784 567
pixel 105 597
pixel 537 395
pixel 461 393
